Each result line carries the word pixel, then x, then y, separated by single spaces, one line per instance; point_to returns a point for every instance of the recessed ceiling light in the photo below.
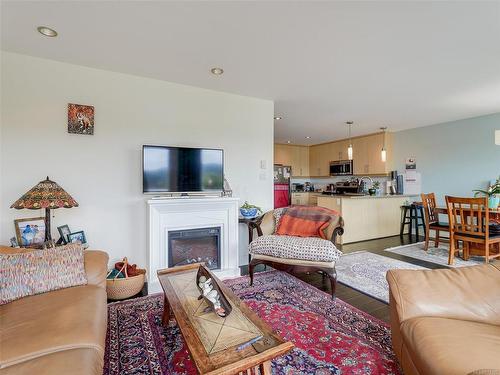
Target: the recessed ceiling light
pixel 47 31
pixel 288 141
pixel 308 137
pixel 277 118
pixel 217 71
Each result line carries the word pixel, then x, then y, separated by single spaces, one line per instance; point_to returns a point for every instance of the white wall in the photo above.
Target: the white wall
pixel 103 172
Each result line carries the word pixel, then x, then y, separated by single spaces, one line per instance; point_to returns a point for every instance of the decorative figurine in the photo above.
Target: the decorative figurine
pixel 211 294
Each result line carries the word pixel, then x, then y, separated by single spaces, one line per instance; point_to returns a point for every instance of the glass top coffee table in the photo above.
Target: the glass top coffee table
pixel 238 343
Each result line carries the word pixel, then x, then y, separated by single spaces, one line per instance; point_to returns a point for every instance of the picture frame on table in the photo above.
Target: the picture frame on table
pixel 64 231
pixel 76 237
pixel 13 242
pixel 30 232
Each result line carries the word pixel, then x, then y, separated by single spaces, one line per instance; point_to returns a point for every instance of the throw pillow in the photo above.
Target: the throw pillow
pixel 39 271
pixel 306 221
pixel 277 213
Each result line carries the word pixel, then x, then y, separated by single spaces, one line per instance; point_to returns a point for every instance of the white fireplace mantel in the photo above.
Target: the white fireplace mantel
pixel 167 214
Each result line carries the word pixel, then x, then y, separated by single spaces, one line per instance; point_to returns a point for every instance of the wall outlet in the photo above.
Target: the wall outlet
pixel 262 176
pixel 263 164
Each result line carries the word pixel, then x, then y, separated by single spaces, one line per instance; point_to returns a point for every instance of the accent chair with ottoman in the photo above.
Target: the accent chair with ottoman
pixel 447 321
pixel 61 331
pixel 298 239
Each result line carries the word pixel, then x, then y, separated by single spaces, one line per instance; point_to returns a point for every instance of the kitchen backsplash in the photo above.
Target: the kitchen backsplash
pixel 321 183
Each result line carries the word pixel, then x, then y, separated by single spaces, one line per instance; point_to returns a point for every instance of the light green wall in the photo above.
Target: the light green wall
pixel 453 157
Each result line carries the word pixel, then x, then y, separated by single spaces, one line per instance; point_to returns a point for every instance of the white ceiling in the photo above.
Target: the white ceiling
pixel 400 64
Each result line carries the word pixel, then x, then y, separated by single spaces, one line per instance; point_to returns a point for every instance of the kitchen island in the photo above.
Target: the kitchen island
pixel 367 217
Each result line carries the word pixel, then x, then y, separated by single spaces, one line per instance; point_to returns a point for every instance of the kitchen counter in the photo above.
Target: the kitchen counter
pixel 369 196
pixel 367 217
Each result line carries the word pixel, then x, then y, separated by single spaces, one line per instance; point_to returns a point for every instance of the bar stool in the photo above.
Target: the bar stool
pixel 410 215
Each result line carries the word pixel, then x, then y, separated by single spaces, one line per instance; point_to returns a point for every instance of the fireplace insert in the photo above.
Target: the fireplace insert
pixel 188 246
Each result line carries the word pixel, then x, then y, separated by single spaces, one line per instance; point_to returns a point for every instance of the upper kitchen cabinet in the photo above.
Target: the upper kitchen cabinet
pixel 314 161
pixel 319 159
pixel 339 150
pixel 367 159
pixel 302 161
pixel 282 154
pixel 295 156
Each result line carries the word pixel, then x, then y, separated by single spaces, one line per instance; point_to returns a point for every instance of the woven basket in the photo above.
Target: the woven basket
pixel 125 287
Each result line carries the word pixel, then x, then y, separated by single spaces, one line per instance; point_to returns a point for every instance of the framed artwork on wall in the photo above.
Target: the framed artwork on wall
pixel 80 119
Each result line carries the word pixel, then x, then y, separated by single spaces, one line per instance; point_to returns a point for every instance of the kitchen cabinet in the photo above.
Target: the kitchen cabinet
pixel 282 154
pixel 319 160
pixel 313 199
pixel 338 150
pixel 295 156
pixel 300 198
pixel 360 158
pixel 367 158
pixel 314 161
pixel 300 161
pixel 303 198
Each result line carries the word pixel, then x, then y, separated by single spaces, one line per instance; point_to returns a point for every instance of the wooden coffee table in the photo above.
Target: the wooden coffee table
pixel 214 342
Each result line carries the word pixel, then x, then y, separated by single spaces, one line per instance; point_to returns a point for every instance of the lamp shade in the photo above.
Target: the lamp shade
pixel 45 194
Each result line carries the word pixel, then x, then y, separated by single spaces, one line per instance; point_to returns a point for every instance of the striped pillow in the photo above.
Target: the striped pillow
pixel 39 271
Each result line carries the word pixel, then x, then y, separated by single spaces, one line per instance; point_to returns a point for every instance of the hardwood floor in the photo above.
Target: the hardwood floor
pixel 357 299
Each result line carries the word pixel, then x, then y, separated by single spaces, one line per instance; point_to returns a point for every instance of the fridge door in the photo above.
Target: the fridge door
pixel 281 195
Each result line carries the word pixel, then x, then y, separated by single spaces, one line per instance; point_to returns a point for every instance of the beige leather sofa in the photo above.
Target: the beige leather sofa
pixel 446 321
pixel 59 332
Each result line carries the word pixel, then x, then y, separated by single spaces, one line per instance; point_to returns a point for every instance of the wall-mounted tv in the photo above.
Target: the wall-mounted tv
pixel 182 170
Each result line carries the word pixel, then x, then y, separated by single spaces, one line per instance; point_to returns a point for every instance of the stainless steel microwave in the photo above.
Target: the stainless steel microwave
pixel 341 168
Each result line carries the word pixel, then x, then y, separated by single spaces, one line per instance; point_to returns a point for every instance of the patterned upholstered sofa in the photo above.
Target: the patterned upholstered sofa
pixel 295 254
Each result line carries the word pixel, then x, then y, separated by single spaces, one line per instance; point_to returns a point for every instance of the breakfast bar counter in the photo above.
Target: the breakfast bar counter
pixel 367 217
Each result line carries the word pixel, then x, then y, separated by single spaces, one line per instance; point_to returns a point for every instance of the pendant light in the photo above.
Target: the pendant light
pixel 349 149
pixel 383 153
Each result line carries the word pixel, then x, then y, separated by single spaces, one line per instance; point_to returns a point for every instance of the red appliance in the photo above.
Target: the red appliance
pixel 281 195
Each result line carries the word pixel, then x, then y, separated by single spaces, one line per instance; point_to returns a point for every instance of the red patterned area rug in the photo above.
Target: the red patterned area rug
pixel 331 337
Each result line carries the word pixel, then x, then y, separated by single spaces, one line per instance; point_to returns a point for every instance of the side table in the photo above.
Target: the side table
pixel 252 223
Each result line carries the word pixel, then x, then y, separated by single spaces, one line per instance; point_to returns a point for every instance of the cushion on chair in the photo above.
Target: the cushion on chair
pixel 305 221
pixel 306 248
pixel 277 217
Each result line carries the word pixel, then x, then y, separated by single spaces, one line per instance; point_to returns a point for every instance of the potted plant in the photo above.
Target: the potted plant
pixel 376 187
pixel 248 210
pixel 493 194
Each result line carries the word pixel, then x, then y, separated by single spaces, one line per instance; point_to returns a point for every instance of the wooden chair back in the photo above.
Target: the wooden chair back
pixel 468 217
pixel 429 203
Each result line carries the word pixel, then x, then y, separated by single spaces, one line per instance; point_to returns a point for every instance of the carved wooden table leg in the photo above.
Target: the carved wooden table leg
pixel 166 312
pixel 265 368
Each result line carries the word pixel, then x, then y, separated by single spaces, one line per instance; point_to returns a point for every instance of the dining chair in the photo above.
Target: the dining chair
pixel 469 222
pixel 432 219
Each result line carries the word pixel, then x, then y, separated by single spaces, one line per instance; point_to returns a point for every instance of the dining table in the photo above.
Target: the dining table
pixel 494 214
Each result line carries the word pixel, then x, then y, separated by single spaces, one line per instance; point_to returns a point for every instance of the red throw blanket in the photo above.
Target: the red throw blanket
pixel 306 221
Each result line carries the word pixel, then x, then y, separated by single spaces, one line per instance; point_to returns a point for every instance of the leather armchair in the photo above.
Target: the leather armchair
pixel 446 321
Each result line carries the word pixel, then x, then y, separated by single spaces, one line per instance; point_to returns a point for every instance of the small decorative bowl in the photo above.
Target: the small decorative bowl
pixel 248 212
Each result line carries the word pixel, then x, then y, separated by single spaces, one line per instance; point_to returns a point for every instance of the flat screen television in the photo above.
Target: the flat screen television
pixel 182 170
